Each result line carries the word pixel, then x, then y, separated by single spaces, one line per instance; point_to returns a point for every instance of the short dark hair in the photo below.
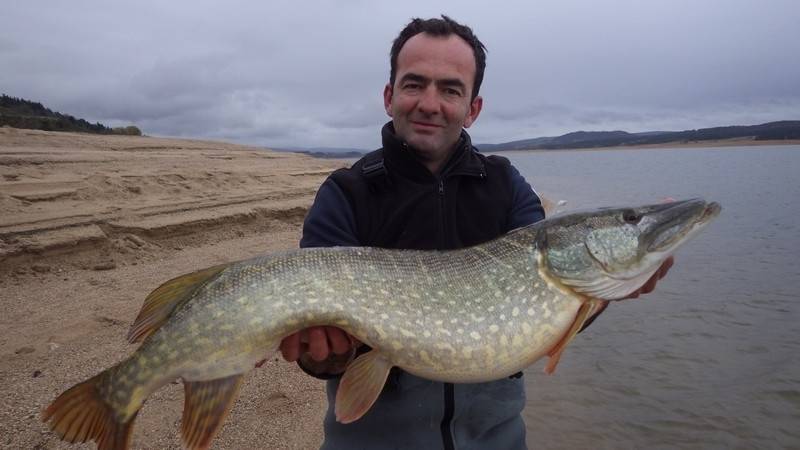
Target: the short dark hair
pixel 441 27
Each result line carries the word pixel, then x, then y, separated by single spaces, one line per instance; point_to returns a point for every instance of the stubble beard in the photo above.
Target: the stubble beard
pixel 431 147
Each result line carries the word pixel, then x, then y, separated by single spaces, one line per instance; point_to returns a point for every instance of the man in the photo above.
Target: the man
pixel 426 188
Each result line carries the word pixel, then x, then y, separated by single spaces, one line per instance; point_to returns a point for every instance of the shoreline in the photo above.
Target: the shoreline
pixel 715 144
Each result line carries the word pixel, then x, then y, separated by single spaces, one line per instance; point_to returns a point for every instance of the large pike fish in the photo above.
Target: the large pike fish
pixel 462 316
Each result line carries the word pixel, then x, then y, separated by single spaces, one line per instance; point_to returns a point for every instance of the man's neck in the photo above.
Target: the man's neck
pixel 435 166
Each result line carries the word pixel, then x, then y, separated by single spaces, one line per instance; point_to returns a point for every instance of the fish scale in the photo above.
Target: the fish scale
pixel 469 315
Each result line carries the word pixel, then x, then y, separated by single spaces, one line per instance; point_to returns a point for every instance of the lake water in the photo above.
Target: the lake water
pixel 711 359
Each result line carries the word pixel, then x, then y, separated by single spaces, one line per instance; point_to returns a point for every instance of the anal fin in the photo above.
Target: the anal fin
pixel 165 299
pixel 584 313
pixel 361 385
pixel 206 405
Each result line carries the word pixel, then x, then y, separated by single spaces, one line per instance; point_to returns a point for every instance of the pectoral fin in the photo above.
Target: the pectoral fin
pixel 360 386
pixel 206 405
pixel 584 312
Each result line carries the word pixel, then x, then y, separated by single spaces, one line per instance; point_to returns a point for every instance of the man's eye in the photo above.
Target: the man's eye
pixel 452 91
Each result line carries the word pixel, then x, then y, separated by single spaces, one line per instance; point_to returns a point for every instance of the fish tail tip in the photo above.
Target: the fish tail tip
pixel 80 414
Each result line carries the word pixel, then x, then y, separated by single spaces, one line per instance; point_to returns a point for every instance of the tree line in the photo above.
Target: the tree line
pixel 20 113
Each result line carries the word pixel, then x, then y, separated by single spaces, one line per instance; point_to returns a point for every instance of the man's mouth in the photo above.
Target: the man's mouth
pixel 425 125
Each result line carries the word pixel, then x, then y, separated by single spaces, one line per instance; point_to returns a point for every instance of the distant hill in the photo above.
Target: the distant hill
pixel 325 152
pixel 21 113
pixel 787 129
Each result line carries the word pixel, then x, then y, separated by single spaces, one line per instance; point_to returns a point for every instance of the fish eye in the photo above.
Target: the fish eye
pixel 630 216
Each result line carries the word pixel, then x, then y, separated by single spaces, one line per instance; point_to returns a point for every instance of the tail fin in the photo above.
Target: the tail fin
pixel 80 414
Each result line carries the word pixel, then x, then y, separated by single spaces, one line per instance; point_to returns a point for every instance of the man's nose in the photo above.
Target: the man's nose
pixel 429 101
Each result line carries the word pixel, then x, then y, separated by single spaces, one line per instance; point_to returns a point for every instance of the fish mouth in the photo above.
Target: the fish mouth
pixel 712 211
pixel 671 224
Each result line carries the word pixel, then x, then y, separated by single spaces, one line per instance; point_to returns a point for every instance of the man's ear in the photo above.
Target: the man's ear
pixel 387 99
pixel 474 111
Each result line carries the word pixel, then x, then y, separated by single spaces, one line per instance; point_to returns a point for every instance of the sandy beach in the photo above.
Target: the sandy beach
pixel 89 225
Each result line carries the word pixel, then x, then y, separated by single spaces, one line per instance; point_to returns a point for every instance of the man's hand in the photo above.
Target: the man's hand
pixel 651 283
pixel 319 342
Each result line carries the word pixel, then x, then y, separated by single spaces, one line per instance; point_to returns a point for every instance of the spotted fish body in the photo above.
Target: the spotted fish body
pixel 469 315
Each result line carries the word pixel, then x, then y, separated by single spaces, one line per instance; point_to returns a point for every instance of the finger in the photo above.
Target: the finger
pixel 290 347
pixel 303 341
pixel 318 343
pixel 666 266
pixel 650 285
pixel 338 340
pixel 304 336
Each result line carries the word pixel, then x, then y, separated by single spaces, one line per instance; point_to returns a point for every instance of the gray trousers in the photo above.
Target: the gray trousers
pixel 408 415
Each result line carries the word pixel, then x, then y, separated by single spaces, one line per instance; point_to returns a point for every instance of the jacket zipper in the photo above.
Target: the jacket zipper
pixel 448 442
pixel 442 240
pixel 449 389
pixel 447 418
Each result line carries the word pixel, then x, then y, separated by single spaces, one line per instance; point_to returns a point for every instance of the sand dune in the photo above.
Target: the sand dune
pixel 90 224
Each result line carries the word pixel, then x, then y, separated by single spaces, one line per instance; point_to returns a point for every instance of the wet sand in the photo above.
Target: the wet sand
pixel 89 225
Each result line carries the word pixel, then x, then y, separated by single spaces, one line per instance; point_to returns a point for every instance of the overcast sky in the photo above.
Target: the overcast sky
pixel 311 73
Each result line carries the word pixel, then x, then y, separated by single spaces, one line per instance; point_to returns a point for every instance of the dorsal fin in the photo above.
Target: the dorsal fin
pixel 160 304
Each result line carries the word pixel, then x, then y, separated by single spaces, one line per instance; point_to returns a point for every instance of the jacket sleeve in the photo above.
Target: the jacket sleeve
pixel 526 207
pixel 329 223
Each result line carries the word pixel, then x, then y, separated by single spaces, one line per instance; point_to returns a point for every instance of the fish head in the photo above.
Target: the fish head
pixel 609 253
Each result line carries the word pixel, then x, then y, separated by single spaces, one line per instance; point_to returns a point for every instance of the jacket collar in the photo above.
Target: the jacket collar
pixel 399 156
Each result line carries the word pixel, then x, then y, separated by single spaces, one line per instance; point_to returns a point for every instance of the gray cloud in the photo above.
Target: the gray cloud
pixel 311 74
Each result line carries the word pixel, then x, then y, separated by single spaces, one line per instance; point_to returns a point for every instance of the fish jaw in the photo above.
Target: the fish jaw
pixel 610 253
pixel 666 229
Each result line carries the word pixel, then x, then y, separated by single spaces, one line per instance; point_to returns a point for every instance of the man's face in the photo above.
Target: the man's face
pixel 430 101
